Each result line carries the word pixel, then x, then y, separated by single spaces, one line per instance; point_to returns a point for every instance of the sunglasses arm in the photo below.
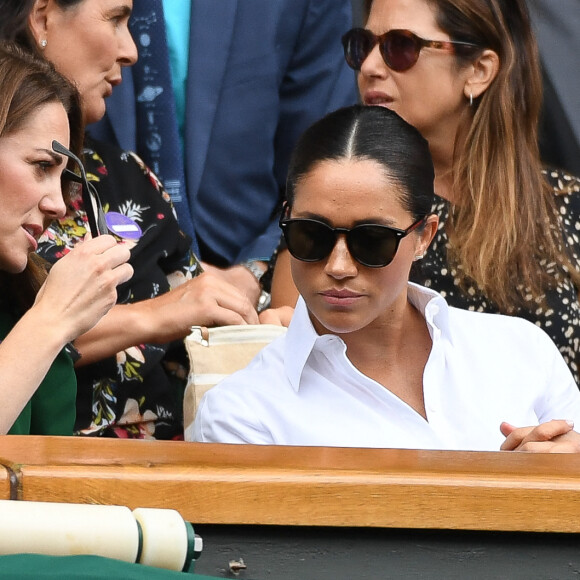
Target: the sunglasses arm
pixel 82 179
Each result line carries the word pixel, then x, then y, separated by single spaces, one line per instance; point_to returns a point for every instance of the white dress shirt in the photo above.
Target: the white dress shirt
pixel 483 369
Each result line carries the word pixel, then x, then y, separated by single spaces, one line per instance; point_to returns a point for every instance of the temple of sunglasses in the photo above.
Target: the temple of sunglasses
pixel 91 201
pixel 399 48
pixel 371 245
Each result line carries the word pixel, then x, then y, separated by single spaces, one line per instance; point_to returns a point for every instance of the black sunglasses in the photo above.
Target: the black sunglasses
pixel 371 245
pixel 91 201
pixel 399 48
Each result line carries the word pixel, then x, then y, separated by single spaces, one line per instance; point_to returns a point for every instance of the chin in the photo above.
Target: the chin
pixel 337 325
pixel 12 268
pixel 94 113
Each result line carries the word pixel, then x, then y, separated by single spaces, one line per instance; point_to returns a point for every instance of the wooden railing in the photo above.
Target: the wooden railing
pixel 298 486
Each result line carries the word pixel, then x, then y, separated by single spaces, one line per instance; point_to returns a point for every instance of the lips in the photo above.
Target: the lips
pixel 111 84
pixel 377 98
pixel 341 297
pixel 33 232
pixel 115 81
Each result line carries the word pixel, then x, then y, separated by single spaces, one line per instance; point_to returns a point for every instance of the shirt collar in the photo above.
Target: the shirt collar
pixel 432 306
pixel 302 338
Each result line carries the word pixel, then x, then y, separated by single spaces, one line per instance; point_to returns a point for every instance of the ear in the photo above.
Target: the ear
pixel 483 72
pixel 38 20
pixel 426 235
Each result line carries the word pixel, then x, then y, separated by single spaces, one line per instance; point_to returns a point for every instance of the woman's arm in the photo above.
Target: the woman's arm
pixel 206 300
pixel 284 292
pixel 79 290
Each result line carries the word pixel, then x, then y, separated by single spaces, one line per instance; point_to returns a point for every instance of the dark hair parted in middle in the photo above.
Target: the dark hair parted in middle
pixel 374 133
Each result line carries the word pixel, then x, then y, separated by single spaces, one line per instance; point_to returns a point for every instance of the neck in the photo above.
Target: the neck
pixel 443 142
pixel 387 342
pixel 394 355
pixel 442 155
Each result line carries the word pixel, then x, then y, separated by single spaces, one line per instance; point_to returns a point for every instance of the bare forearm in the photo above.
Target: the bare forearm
pixel 284 292
pixel 206 300
pixel 26 355
pixel 125 325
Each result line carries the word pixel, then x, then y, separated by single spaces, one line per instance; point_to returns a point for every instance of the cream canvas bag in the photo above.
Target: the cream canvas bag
pixel 215 353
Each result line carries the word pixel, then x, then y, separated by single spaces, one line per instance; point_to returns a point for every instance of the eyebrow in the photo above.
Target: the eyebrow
pixel 124 10
pixel 379 221
pixel 56 157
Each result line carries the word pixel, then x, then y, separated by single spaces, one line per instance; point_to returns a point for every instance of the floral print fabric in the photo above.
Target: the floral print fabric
pixel 137 393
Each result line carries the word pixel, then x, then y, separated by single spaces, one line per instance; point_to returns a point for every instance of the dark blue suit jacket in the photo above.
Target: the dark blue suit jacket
pixel 260 72
pixel 557 24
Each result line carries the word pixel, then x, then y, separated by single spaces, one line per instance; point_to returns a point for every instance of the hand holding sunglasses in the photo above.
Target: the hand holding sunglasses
pixel 372 245
pixel 399 48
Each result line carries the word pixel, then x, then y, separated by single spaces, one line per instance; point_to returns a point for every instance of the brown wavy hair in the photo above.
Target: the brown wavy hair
pixel 29 83
pixel 506 230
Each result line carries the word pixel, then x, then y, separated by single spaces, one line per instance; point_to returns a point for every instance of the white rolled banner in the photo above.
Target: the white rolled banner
pixel 165 542
pixel 57 529
pixel 153 537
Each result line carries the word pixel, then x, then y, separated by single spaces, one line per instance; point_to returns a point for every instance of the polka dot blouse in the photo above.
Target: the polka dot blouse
pixel 559 316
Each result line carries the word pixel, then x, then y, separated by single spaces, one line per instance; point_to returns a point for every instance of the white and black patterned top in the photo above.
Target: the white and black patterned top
pixel 559 316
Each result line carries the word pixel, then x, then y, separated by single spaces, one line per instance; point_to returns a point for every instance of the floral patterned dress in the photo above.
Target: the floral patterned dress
pixel 136 393
pixel 559 317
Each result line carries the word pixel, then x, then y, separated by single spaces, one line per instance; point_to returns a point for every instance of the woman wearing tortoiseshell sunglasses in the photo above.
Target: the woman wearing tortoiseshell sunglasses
pixel 466 74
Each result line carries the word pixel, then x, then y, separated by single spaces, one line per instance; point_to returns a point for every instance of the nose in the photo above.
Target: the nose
pixel 52 204
pixel 340 264
pixel 127 49
pixel 374 65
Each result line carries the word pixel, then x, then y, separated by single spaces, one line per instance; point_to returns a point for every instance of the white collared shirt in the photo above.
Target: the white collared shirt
pixel 483 369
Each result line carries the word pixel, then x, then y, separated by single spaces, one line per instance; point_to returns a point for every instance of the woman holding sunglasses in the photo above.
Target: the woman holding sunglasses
pixel 128 383
pixel 371 360
pixel 466 74
pixel 40 313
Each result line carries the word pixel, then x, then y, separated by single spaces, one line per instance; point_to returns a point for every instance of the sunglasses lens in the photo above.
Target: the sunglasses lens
pixel 373 246
pixel 357 44
pixel 399 50
pixel 308 240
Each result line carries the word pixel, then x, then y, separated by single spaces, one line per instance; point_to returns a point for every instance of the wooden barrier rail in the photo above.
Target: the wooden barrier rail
pixel 4 483
pixel 232 484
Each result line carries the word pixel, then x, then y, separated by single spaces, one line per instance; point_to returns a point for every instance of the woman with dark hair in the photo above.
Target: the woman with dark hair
pixel 40 313
pixel 371 359
pixel 466 74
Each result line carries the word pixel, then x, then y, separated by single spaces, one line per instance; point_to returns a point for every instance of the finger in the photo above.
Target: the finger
pixel 251 317
pixel 242 313
pixel 96 245
pixel 124 273
pixel 230 299
pixel 549 447
pixel 115 255
pixel 224 317
pixel 507 428
pixel 549 430
pixel 514 438
pixel 544 432
pixel 270 316
pixel 535 447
